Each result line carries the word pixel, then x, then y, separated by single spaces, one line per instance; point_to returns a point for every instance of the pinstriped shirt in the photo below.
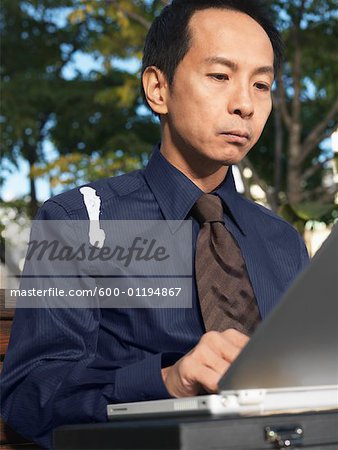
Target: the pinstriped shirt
pixel 65 366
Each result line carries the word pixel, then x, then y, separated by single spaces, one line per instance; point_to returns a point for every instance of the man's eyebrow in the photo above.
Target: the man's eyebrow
pixel 264 69
pixel 233 66
pixel 223 61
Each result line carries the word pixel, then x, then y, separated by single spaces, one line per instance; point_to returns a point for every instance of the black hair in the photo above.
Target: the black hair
pixel 169 40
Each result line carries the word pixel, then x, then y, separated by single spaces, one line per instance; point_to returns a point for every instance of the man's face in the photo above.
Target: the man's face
pixel 220 99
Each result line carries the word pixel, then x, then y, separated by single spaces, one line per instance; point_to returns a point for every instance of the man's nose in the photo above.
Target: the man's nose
pixel 240 101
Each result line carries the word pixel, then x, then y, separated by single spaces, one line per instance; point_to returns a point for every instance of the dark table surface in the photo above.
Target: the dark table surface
pixel 319 431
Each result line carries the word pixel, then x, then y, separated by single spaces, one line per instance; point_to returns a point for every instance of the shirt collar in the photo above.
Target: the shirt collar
pixel 176 193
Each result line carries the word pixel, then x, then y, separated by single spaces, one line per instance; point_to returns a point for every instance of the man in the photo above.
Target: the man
pixel 208 72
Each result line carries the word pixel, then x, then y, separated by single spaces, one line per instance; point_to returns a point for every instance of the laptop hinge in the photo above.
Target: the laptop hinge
pixel 245 396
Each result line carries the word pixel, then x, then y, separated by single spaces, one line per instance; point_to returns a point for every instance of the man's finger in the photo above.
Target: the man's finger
pixel 236 337
pixel 207 356
pixel 205 376
pixel 221 344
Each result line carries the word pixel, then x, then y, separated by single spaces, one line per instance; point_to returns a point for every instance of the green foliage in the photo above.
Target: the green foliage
pixel 95 113
pixel 310 28
pixel 75 169
pixel 311 211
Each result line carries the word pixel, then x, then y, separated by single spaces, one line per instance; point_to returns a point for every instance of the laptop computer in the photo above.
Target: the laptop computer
pixel 289 365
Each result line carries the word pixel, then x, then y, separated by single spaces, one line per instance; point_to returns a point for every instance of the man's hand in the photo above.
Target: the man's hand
pixel 204 365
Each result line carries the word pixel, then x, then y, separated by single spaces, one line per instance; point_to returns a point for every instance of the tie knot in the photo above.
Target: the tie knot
pixel 208 208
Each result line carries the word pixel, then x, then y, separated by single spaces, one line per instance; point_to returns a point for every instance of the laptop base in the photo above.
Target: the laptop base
pixel 241 402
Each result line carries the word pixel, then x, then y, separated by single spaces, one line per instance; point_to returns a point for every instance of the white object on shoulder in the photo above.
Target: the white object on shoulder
pixel 93 202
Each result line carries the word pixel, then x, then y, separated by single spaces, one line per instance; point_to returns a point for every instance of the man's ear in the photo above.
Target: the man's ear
pixel 155 87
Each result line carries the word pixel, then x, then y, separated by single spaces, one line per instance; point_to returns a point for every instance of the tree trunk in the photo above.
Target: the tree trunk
pixel 278 156
pixel 294 178
pixel 33 203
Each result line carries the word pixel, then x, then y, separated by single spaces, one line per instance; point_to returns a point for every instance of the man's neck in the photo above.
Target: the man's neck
pixel 207 175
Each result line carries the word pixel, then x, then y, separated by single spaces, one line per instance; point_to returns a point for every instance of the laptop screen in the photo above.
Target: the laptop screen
pixel 297 345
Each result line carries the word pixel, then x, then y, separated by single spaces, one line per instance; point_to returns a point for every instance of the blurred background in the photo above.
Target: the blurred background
pixel 71 110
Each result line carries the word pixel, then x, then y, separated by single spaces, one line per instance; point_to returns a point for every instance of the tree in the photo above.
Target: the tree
pixel 33 59
pixel 305 108
pixel 92 114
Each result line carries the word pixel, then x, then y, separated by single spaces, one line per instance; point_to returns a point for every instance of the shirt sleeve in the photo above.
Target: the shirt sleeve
pixel 53 376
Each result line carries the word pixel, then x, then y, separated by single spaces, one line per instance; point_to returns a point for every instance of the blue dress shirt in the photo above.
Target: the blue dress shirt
pixel 64 366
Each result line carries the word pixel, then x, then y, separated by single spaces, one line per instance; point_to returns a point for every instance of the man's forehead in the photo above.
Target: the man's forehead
pixel 214 26
pixel 226 17
pixel 231 35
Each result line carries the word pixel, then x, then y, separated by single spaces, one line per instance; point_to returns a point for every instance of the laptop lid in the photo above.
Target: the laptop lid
pixel 298 344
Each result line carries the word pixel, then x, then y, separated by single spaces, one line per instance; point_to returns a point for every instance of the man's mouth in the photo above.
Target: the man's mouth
pixel 237 136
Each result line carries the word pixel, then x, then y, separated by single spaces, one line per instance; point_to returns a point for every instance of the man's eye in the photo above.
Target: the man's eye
pixel 262 87
pixel 219 76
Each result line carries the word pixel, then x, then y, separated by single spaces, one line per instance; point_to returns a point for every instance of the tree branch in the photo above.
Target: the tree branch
pixel 324 194
pixel 313 169
pixel 141 20
pixel 278 151
pixel 301 11
pixel 296 74
pixel 319 133
pixel 280 101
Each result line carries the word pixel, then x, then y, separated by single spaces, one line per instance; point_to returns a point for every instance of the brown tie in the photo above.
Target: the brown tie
pixel 224 289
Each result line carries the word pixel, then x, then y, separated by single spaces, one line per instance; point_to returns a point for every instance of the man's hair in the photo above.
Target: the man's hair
pixel 169 37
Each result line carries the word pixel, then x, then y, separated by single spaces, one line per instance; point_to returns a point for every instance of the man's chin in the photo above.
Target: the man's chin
pixel 234 159
pixel 219 158
pixel 231 161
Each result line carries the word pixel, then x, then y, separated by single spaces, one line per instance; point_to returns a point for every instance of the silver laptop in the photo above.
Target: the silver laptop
pixel 289 365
